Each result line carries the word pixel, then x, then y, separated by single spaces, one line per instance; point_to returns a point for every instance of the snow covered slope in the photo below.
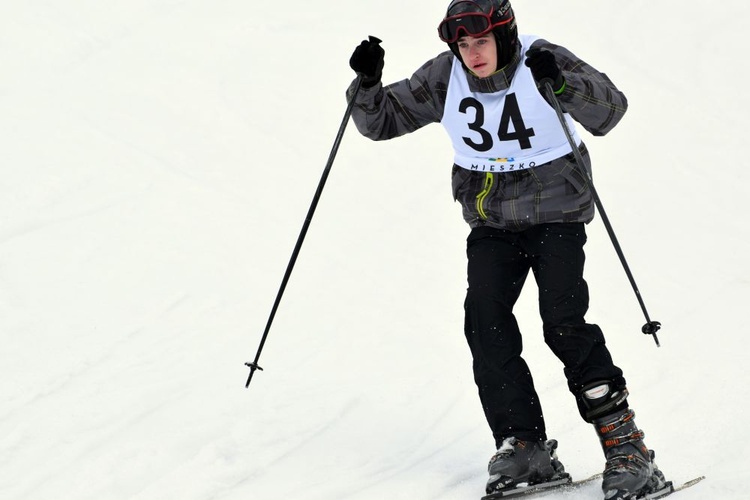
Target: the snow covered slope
pixel 158 158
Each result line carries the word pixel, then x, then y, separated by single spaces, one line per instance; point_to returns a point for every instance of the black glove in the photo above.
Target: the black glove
pixel 544 67
pixel 368 60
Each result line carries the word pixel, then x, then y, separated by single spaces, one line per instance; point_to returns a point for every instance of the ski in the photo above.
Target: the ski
pixel 565 483
pixel 690 483
pixel 670 488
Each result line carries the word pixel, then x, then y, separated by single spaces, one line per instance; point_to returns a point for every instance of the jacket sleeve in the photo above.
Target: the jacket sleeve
pixel 384 112
pixel 589 96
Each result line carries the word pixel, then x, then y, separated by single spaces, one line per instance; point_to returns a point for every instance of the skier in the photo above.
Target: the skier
pixel 527 204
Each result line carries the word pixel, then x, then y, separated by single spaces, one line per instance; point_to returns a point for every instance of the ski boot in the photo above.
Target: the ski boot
pixel 517 462
pixel 630 472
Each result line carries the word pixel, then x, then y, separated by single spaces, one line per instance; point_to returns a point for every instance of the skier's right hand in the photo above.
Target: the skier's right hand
pixel 368 60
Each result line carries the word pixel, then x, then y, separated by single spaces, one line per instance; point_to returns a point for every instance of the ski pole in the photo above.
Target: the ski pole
pixel 254 364
pixel 651 327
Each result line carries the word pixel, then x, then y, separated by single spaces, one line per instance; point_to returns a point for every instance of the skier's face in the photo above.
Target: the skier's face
pixel 479 54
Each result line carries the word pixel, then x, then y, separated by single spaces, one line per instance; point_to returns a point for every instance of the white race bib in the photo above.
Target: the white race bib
pixel 513 129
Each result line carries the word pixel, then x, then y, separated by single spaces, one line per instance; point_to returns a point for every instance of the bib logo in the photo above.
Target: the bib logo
pixel 503 167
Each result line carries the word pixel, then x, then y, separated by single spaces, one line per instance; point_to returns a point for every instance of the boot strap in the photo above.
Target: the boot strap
pixel 631 461
pixel 612 426
pixel 610 441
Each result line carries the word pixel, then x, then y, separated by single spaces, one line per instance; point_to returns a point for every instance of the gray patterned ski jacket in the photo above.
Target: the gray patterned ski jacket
pixel 557 191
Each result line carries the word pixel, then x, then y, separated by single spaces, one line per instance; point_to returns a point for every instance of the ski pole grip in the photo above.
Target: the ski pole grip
pixel 547 81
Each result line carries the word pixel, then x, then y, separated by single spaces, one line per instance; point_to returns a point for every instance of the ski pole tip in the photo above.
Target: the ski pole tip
pixel 651 328
pixel 253 366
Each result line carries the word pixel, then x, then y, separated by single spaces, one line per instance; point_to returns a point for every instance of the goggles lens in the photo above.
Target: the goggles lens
pixel 467 24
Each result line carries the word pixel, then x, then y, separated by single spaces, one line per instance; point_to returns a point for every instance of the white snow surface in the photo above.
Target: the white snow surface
pixel 158 159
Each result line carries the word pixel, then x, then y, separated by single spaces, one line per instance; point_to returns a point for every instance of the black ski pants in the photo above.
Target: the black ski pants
pixel 498 264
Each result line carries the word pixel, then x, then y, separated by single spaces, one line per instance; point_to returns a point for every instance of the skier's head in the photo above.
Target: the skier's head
pixel 475 18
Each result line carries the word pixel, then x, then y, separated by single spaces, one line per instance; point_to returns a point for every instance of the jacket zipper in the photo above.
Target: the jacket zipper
pixel 489 180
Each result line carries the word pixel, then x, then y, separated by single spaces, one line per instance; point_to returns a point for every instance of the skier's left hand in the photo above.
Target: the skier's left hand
pixel 544 66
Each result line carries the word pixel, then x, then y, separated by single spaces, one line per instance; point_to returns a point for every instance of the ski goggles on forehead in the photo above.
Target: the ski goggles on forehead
pixel 467 24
